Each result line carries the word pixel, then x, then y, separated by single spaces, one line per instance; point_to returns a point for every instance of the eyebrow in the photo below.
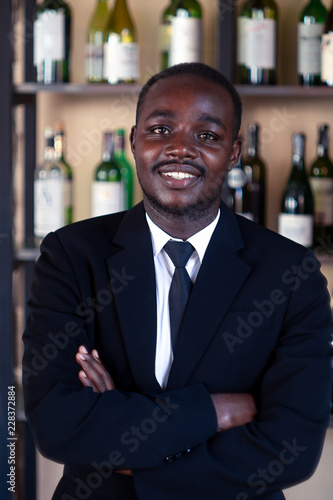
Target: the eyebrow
pixel 160 113
pixel 212 119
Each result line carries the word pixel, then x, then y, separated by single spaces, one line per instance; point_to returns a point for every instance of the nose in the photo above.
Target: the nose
pixel 181 145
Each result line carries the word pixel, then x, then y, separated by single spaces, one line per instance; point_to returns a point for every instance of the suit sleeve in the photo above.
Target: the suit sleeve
pixel 72 424
pixel 283 446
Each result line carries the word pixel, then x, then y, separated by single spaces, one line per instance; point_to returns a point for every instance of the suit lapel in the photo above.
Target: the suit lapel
pixel 136 299
pixel 220 278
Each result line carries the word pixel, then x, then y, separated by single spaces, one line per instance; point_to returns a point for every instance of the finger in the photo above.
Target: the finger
pixel 95 370
pixel 125 472
pixel 85 381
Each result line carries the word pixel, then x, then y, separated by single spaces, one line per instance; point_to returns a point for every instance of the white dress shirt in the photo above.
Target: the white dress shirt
pixel 164 269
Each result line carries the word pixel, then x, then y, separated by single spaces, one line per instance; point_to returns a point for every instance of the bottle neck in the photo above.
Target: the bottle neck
pixel 119 145
pixel 59 146
pixel 298 141
pixel 252 147
pixel 322 146
pixel 108 147
pixel 49 148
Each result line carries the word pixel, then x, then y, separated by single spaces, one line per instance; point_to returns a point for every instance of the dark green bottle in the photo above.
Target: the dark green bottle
pixel 52 41
pixel 125 167
pixel 309 32
pixel 321 180
pixel 297 209
pixel 255 172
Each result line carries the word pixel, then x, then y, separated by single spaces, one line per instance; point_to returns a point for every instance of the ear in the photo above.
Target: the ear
pixel 235 154
pixel 132 139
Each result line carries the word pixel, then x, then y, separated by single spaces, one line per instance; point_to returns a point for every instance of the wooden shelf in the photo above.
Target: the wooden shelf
pixel 292 91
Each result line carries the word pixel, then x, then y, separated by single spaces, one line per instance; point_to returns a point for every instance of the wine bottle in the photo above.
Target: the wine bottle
pixel 186 32
pixel 327 51
pixel 257 42
pixel 59 155
pixel 165 34
pixel 52 37
pixel 321 180
pixel 235 195
pixel 255 172
pixel 125 167
pixel 51 200
pixel 295 220
pixel 121 50
pixel 95 43
pixel 309 32
pixel 107 188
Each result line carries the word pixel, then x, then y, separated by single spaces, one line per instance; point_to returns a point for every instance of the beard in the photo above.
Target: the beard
pixel 190 212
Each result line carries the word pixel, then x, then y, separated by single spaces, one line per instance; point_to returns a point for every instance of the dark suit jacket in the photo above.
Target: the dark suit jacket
pixel 258 321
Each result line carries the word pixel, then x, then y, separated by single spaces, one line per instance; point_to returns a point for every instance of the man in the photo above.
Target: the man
pixel 237 404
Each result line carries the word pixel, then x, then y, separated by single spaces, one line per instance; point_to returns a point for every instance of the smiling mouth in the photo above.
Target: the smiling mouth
pixel 178 175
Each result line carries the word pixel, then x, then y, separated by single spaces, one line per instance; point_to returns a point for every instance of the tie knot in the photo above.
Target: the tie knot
pixel 179 252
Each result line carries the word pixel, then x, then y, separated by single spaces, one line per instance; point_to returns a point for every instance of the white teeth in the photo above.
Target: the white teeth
pixel 179 175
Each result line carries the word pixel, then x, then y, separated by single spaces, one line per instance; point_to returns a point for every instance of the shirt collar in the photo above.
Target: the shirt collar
pixel 199 240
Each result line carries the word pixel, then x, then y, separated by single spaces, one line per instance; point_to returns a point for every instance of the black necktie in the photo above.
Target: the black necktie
pixel 181 284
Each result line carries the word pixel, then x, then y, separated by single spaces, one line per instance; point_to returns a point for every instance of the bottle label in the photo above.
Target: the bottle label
pixel 164 37
pixel 241 39
pixel 106 198
pixel 185 44
pixel 94 61
pixel 121 60
pixel 296 227
pixel 308 45
pixel 49 36
pixel 327 58
pixel 261 43
pixel 323 194
pixel 49 209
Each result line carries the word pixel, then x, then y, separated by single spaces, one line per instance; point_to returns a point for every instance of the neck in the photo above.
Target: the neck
pixel 180 226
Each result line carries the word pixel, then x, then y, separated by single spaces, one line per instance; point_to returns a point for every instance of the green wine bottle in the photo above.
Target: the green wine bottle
pixel 59 155
pixel 309 32
pixel 95 43
pixel 321 180
pixel 52 39
pixel 297 209
pixel 165 34
pixel 125 167
pixel 255 172
pixel 327 51
pixel 121 50
pixel 186 32
pixel 52 201
pixel 107 188
pixel 257 42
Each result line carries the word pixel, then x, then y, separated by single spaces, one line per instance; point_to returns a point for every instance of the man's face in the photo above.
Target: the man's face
pixel 183 145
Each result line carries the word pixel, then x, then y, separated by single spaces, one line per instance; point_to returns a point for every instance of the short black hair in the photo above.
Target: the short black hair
pixel 199 69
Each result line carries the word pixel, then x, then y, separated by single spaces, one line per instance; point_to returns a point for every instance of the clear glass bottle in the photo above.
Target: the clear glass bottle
pixel 121 50
pixel 186 32
pixel 51 201
pixel 309 32
pixel 60 157
pixel 107 187
pixel 321 180
pixel 257 42
pixel 255 172
pixel 297 208
pixel 125 167
pixel 52 41
pixel 95 43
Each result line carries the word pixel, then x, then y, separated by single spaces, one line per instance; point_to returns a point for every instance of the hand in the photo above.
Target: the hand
pixel 93 373
pixel 233 410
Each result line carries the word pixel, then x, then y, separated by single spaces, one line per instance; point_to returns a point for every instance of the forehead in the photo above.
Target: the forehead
pixel 188 92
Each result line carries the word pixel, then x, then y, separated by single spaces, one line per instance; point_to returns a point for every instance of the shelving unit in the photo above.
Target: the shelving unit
pixel 26 95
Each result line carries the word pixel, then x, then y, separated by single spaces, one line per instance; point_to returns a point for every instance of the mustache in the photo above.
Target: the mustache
pixel 173 162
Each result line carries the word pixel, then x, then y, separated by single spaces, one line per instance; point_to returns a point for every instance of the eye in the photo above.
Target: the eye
pixel 160 130
pixel 208 136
